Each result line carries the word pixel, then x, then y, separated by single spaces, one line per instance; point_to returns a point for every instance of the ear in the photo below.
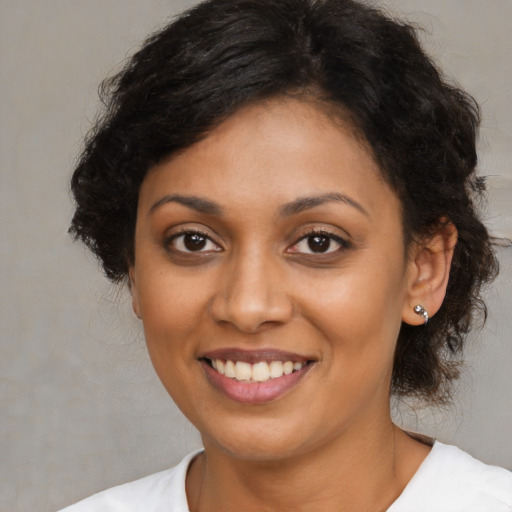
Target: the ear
pixel 428 271
pixel 134 292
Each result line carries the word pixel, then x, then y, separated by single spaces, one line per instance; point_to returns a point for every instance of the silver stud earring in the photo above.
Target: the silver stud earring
pixel 420 310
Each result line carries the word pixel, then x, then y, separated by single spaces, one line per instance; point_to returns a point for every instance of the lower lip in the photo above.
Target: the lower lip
pixel 254 392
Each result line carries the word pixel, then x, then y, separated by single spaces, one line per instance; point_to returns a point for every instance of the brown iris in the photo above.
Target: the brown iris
pixel 319 243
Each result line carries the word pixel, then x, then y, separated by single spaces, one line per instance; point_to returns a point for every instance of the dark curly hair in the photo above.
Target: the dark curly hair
pixel 352 59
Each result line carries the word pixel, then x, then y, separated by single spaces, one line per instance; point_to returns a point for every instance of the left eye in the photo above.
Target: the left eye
pixel 193 242
pixel 318 243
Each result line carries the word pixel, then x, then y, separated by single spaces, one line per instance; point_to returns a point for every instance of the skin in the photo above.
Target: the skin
pixel 256 284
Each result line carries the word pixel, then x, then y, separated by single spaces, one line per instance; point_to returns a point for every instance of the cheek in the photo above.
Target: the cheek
pixel 172 316
pixel 360 309
pixel 173 310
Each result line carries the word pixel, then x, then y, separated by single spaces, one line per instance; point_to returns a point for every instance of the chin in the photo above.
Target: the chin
pixel 270 441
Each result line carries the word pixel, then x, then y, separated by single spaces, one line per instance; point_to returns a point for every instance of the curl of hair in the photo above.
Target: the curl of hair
pixel 353 60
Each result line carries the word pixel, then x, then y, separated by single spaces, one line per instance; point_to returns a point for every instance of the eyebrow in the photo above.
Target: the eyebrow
pixel 199 204
pixel 306 203
pixel 203 205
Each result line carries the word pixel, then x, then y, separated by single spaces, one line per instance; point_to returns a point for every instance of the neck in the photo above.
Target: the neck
pixel 365 469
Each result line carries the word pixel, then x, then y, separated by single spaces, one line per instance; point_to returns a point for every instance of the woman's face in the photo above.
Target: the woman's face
pixel 272 246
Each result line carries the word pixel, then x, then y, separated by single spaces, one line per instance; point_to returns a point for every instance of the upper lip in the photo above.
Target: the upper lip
pixel 254 356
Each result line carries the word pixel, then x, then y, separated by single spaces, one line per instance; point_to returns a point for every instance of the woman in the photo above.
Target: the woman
pixel 288 188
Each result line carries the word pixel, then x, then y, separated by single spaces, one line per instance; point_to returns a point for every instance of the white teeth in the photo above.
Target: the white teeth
pixel 287 367
pixel 229 369
pixel 257 372
pixel 242 371
pixel 276 369
pixel 260 372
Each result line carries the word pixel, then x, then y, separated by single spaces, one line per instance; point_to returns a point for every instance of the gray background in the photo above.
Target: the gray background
pixel 80 407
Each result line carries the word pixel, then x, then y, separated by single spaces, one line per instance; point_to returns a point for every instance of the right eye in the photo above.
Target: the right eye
pixel 192 242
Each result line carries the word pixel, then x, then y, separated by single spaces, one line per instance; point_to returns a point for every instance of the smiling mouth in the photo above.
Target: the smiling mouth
pixel 260 371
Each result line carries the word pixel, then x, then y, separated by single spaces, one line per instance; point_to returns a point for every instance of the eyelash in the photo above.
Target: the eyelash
pixel 343 243
pixel 169 241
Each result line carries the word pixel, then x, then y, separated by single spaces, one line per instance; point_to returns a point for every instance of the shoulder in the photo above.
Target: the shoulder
pixel 450 480
pixel 163 491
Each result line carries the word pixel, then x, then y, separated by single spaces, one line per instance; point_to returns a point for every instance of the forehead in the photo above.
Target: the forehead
pixel 271 153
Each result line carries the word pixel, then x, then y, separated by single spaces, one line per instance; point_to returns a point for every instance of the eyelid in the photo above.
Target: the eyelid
pixel 307 231
pixel 186 230
pixel 343 242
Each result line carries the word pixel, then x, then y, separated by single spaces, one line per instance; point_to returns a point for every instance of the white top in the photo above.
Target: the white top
pixel 448 480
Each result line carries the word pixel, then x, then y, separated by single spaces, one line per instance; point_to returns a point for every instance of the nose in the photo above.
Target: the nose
pixel 252 295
